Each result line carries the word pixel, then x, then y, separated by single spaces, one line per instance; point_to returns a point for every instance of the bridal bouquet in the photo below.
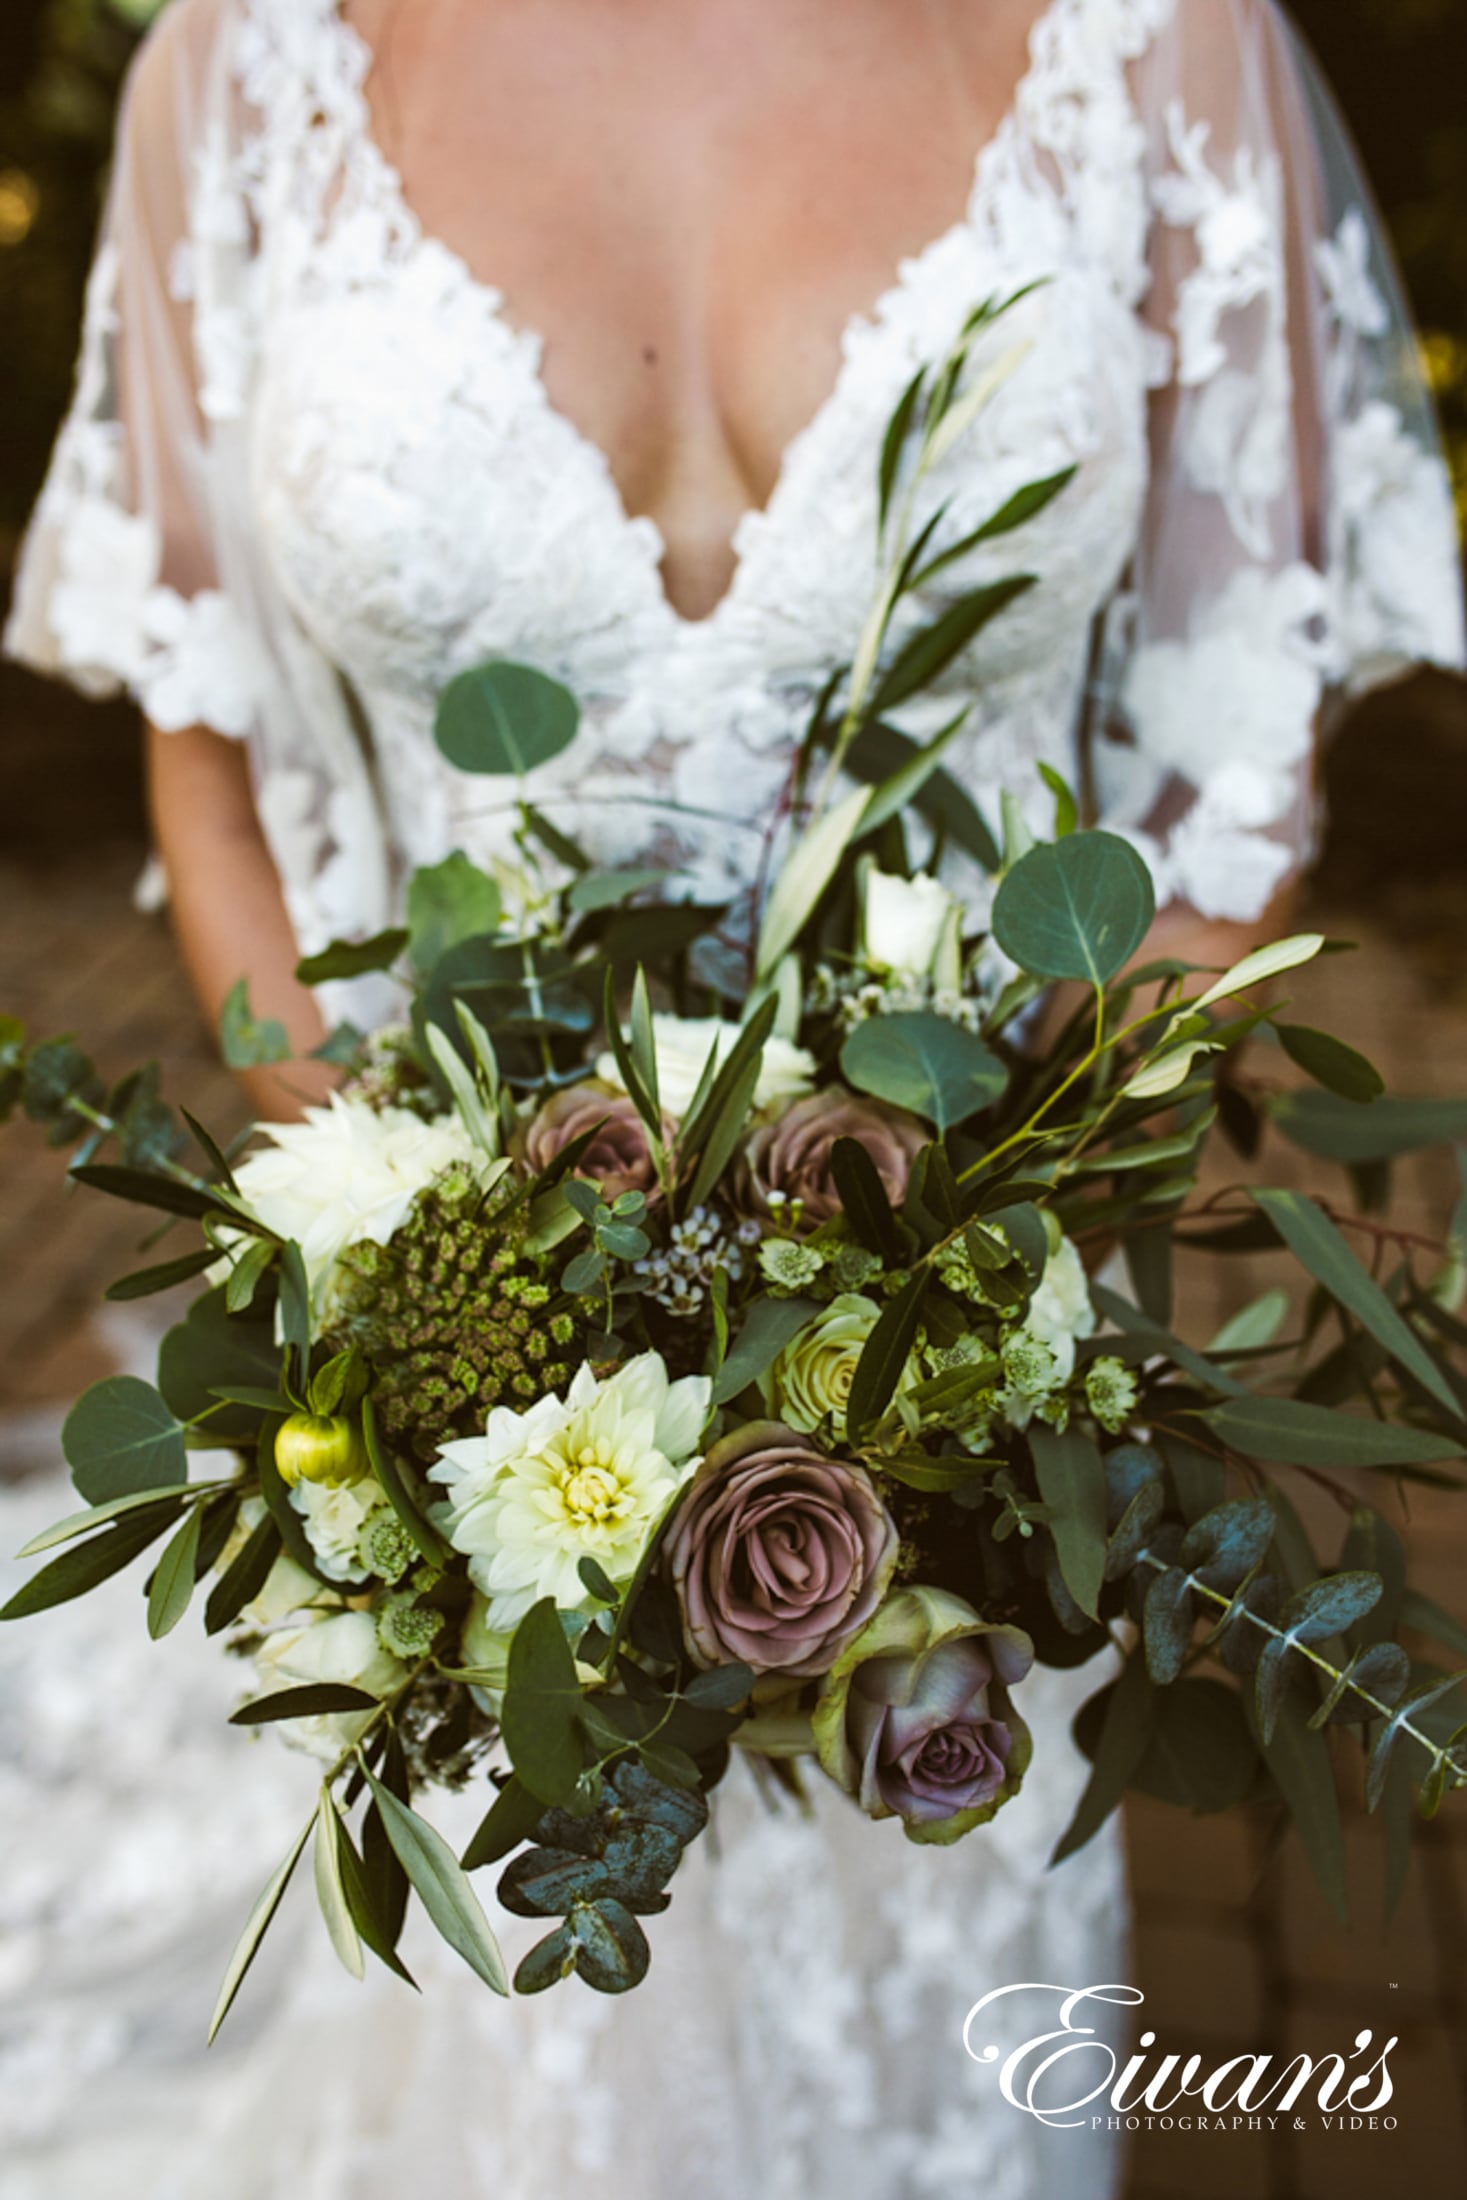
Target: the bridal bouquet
pixel 629 1366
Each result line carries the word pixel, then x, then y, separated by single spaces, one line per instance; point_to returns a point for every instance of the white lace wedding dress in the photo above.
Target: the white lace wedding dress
pixel 312 471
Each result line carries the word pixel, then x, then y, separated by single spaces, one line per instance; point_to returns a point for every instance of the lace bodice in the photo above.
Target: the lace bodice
pixel 341 480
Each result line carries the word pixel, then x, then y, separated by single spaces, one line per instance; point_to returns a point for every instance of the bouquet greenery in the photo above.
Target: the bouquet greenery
pixel 621 1371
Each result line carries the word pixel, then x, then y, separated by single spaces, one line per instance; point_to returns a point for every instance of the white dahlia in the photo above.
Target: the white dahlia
pixel 588 1475
pixel 347 1173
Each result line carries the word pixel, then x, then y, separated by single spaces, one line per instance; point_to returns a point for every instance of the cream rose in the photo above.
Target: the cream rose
pixel 340 1647
pixel 907 923
pixel 683 1045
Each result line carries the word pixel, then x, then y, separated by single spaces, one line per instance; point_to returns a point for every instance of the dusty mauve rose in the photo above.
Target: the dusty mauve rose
pixel 778 1554
pixel 617 1158
pixel 792 1154
pixel 914 1718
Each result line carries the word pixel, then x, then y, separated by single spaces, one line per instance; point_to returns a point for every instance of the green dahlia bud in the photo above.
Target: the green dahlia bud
pixel 315 1447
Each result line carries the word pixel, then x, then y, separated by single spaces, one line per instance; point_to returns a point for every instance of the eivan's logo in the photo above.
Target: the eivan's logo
pixel 1063 2076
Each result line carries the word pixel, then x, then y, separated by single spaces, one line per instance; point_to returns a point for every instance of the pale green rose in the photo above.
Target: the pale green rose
pixel 809 1384
pixel 914 1719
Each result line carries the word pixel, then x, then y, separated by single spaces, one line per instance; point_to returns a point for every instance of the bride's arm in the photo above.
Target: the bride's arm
pixel 228 911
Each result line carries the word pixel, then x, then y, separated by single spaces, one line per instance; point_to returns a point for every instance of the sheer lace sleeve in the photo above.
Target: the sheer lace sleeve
pixel 144 567
pixel 1299 540
pixel 121 583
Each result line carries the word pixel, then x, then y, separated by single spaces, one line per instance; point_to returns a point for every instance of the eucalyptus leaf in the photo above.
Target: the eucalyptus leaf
pixel 295 1308
pixel 448 902
pixel 148 1188
pixel 1025 504
pixel 924 1063
pixel 540 1715
pixel 314 1700
pixel 243 1280
pixel 98 1516
pixel 213 1350
pixel 1253 1326
pixel 863 1198
pixel 1071 1475
pixel 1256 969
pixel 1133 1322
pixel 1078 908
pixel 1201 1755
pixel 1168 1618
pixel 504 720
pixel 247 1041
pixel 611 1948
pixel 1299 1760
pixel 596 890
pixel 879 751
pixel 1130 1712
pixel 244 1577
pixel 893 796
pixel 894 440
pixel 121 1437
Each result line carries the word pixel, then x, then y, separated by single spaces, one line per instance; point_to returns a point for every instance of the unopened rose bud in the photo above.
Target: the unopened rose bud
pixel 315 1447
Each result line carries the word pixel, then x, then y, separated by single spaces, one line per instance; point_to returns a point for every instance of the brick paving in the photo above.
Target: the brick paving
pixel 1234 1952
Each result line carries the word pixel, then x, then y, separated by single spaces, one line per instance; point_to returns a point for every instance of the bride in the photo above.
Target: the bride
pixel 425 331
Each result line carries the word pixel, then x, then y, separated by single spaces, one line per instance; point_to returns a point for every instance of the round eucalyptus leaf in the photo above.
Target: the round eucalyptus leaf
pixel 1076 909
pixel 120 1437
pixel 504 719
pixel 924 1063
pixel 611 1948
pixel 1201 1756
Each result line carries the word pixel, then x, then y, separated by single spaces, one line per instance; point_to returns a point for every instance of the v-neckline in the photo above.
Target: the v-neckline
pixel 533 342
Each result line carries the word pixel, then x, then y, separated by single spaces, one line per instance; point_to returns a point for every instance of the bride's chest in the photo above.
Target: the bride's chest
pixel 425 502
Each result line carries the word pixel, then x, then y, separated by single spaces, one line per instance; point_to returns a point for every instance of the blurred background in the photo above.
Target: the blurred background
pixel 1236 1952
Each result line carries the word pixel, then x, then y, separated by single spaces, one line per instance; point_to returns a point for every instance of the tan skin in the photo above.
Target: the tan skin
pixel 688 199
